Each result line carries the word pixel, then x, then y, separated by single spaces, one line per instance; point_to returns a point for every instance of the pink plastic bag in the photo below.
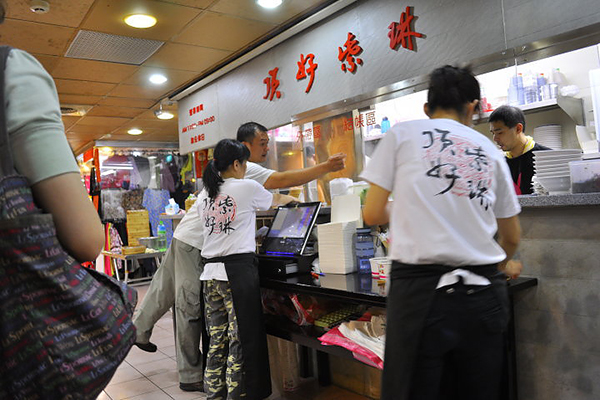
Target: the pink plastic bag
pixel 335 338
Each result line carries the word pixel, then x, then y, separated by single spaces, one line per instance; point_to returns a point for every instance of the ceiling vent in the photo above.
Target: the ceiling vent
pixel 112 48
pixel 74 111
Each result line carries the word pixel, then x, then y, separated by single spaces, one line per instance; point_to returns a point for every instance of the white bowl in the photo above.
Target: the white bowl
pixel 552 153
pixel 556 184
pixel 550 168
pixel 553 174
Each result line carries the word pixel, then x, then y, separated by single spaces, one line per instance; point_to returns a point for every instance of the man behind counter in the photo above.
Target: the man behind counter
pixel 255 137
pixel 507 125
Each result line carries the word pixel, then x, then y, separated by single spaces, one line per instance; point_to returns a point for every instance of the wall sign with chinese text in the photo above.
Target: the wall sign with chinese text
pixel 272 84
pixel 302 70
pixel 401 33
pixel 199 124
pixel 346 55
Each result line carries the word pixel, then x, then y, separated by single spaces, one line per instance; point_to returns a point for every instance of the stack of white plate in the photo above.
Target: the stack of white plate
pixel 552 169
pixel 549 136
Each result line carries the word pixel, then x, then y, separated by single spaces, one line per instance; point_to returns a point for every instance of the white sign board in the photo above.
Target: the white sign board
pixel 199 122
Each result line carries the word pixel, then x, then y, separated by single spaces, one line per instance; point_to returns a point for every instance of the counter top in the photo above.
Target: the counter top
pixel 563 200
pixel 527 201
pixel 357 287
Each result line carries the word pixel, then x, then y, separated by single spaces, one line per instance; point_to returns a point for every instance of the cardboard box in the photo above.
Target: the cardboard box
pixel 138 225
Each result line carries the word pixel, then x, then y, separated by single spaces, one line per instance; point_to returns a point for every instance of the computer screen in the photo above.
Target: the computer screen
pixel 290 229
pixel 292 222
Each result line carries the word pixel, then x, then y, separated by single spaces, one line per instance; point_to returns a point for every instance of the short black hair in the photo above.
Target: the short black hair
pixel 246 132
pixel 511 116
pixel 451 88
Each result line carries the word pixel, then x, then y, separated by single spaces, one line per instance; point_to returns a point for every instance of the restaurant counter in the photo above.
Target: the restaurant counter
pixel 358 289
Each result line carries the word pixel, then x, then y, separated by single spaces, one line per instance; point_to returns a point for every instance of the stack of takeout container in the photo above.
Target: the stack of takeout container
pixel 549 136
pixel 336 249
pixel 552 169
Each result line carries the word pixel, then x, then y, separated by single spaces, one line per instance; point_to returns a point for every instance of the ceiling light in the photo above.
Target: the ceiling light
pixel 140 21
pixel 269 3
pixel 158 79
pixel 135 131
pixel 161 114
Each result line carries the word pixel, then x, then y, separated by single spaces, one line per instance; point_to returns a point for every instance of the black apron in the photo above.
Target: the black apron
pixel 408 304
pixel 242 272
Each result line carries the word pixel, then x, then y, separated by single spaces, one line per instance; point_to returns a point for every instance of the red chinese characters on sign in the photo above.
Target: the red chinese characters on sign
pixel 302 70
pixel 352 49
pixel 272 84
pixel 348 125
pixel 371 118
pixel 317 132
pixel 196 109
pixel 198 124
pixel 197 138
pixel 402 33
pixel 359 121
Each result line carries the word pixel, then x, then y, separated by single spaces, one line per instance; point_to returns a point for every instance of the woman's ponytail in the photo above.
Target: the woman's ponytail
pixel 226 152
pixel 211 178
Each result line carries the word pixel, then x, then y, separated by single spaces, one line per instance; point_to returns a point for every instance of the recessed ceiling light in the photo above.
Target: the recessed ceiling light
pixel 135 131
pixel 140 21
pixel 161 114
pixel 158 79
pixel 269 3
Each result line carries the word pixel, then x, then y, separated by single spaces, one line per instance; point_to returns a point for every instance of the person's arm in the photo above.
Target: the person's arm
pixel 78 226
pixel 286 179
pixel 509 236
pixel 375 211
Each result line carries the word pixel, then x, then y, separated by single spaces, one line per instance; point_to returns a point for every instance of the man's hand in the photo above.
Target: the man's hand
pixel 283 199
pixel 336 162
pixel 512 268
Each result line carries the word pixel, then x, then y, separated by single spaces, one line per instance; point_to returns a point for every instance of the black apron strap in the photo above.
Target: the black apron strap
pixel 6 159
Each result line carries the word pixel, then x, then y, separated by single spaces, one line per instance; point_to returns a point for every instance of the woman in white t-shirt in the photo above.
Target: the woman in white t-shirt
pixel 238 363
pixel 452 192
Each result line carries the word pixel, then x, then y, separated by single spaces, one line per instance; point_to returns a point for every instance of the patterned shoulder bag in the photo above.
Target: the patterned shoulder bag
pixel 64 329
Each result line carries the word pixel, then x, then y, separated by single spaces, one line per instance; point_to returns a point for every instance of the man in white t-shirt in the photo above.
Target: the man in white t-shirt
pixel 452 192
pixel 255 137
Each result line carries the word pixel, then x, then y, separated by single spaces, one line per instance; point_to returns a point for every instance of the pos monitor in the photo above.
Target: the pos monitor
pixel 290 230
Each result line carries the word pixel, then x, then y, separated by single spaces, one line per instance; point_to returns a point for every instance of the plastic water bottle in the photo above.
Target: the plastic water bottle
pixel 542 85
pixel 162 236
pixel 530 88
pixel 513 98
pixel 520 91
pixel 365 250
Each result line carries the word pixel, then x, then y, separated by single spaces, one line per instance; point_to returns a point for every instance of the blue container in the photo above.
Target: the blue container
pixel 365 250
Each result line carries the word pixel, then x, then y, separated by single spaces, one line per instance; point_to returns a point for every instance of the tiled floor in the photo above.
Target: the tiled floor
pixel 153 376
pixel 150 376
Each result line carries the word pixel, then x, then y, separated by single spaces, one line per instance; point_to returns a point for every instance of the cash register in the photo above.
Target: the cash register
pixel 285 249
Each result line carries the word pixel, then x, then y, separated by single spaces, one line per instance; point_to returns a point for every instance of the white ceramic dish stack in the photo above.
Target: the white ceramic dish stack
pixel 549 136
pixel 552 169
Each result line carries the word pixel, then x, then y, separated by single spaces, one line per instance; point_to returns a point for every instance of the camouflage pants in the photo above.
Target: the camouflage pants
pixel 223 375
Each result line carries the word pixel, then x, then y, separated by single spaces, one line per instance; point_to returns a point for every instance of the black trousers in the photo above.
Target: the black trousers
pixel 460 356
